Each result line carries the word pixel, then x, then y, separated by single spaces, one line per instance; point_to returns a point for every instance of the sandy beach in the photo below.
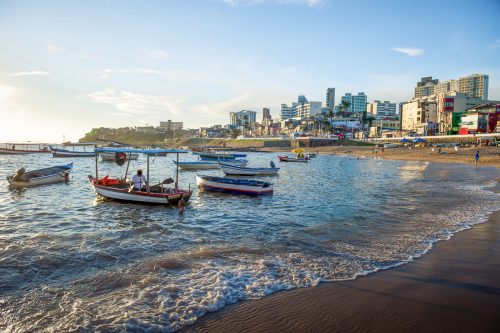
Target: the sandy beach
pixel 488 155
pixel 453 288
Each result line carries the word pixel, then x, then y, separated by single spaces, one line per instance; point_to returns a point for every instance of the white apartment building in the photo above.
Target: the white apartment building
pixel 243 117
pixel 300 109
pixel 381 109
pixel 420 115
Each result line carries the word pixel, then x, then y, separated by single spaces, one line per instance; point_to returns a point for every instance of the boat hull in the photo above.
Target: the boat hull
pixel 61 176
pixel 292 159
pixel 207 165
pixel 240 171
pixel 6 151
pixel 122 194
pixel 212 185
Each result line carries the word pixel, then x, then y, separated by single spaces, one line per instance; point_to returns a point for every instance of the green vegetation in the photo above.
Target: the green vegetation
pixel 134 135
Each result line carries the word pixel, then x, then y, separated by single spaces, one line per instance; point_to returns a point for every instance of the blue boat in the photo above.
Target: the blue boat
pixel 234 186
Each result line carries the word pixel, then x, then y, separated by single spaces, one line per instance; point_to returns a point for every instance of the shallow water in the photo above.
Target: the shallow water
pixel 71 262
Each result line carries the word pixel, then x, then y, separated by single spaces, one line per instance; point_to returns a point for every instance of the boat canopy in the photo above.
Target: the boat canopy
pixel 141 151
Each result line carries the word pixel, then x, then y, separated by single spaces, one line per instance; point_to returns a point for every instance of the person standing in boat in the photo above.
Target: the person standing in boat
pixel 139 180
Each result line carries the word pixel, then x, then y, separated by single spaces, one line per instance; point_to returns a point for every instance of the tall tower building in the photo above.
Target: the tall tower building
pixel 266 114
pixel 330 98
pixel 475 85
pixel 357 103
pixel 425 87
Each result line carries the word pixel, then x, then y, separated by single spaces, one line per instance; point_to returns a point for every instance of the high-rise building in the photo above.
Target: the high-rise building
pixel 425 87
pixel 243 117
pixel 357 103
pixel 475 85
pixel 286 112
pixel 300 109
pixel 381 109
pixel 330 99
pixel 266 114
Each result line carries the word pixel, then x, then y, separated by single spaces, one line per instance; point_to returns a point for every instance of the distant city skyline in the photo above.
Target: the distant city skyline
pixel 69 66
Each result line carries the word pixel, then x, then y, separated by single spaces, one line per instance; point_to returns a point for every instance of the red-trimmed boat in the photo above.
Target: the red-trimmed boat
pixel 122 190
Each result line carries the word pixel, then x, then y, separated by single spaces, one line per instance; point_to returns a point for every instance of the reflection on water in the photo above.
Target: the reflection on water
pixel 69 261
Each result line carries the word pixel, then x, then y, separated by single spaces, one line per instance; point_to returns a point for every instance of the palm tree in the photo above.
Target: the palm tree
pixel 344 105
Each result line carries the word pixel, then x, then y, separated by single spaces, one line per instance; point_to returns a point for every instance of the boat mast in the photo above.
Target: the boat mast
pixel 177 174
pixel 147 180
pixel 96 172
pixel 128 163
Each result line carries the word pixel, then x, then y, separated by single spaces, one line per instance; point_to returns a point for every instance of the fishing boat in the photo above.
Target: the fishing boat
pixel 122 189
pixel 112 156
pixel 244 171
pixel 299 157
pixel 88 150
pixel 205 165
pixel 293 159
pixel 55 174
pixel 23 148
pixel 231 185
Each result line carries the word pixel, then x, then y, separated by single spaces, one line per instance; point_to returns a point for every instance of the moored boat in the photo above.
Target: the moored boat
pixel 206 165
pixel 55 174
pixel 121 190
pixel 235 186
pixel 23 148
pixel 293 159
pixel 88 150
pixel 245 171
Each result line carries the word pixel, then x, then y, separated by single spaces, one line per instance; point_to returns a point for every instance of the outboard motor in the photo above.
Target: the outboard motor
pixel 19 174
pixel 272 164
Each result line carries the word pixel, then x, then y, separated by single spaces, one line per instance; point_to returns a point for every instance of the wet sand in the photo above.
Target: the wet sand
pixel 453 288
pixel 488 155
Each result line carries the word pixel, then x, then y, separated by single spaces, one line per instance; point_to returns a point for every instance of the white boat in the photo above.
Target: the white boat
pixel 119 189
pixel 88 150
pixel 235 186
pixel 44 176
pixel 243 171
pixel 206 165
pixel 293 159
pixel 23 148
pixel 112 156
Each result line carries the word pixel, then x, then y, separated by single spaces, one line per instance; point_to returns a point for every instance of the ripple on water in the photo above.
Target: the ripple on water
pixel 71 262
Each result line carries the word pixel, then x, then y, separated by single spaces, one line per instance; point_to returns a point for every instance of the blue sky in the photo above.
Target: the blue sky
pixel 68 66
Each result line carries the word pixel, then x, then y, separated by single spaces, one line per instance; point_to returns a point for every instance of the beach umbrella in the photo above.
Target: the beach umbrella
pixel 405 140
pixel 417 140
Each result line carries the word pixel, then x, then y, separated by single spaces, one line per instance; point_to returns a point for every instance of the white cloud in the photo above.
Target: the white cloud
pixel 141 71
pixel 310 3
pixel 30 73
pixel 155 54
pixel 51 48
pixel 409 51
pixel 131 103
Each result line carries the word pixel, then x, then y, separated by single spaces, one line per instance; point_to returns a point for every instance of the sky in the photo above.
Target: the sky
pixel 69 66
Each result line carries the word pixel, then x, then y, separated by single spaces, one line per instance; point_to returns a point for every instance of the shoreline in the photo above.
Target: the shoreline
pixel 489 156
pixel 452 287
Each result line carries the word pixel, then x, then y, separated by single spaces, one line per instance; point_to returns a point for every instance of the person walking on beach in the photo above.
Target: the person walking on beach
pixel 476 158
pixel 139 180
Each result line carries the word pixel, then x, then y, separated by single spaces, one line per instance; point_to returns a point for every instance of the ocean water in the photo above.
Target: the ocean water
pixel 72 262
